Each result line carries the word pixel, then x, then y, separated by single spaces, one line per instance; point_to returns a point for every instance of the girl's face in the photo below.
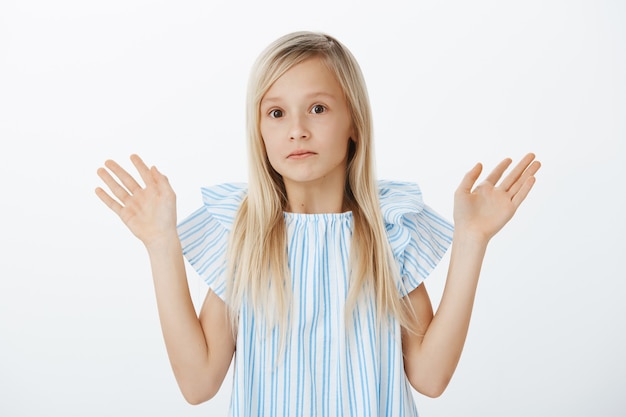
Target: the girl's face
pixel 306 126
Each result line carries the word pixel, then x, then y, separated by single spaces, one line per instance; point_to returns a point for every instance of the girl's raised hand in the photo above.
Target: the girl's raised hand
pixel 149 212
pixel 483 210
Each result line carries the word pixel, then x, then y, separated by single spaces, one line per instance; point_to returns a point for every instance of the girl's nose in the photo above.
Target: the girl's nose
pixel 298 129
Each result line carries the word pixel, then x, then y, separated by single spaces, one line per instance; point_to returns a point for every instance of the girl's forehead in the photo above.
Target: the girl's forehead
pixel 308 78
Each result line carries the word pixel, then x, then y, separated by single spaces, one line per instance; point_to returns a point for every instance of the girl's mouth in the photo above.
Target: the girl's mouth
pixel 300 154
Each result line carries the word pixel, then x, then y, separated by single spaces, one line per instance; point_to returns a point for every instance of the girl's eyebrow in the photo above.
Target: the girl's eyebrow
pixel 310 96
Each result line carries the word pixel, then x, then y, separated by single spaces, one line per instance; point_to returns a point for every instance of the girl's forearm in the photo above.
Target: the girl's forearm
pixel 440 348
pixel 183 334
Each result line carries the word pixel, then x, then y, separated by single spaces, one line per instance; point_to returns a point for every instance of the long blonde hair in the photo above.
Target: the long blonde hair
pixel 258 271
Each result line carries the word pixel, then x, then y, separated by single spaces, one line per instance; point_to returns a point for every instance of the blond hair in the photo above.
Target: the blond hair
pixel 258 271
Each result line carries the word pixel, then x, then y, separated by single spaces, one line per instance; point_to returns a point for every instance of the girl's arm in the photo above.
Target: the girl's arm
pixel 431 356
pixel 200 349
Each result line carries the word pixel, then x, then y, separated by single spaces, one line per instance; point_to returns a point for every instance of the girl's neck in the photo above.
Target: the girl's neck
pixel 316 198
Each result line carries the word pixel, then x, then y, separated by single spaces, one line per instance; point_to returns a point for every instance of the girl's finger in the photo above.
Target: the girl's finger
pixel 127 180
pixel 529 172
pixel 525 188
pixel 470 178
pixel 157 176
pixel 517 172
pixel 108 201
pixel 142 168
pixel 497 172
pixel 118 191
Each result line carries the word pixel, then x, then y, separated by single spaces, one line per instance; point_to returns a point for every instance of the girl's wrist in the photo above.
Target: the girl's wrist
pixel 470 237
pixel 161 243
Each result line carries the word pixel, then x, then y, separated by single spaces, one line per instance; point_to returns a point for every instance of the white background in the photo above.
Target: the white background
pixel 451 83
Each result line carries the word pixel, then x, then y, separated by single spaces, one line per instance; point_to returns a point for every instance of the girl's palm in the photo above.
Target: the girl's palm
pixel 149 212
pixel 486 208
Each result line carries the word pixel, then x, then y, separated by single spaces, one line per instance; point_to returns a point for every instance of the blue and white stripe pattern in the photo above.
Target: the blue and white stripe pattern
pixel 326 368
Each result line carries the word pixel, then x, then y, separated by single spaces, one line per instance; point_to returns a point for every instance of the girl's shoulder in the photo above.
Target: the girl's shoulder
pixel 417 234
pixel 223 200
pixel 204 233
pixel 218 194
pixel 398 199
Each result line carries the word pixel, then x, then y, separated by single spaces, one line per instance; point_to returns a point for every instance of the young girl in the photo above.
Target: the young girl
pixel 314 268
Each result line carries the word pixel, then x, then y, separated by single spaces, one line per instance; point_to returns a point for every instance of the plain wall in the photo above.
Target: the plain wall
pixel 451 84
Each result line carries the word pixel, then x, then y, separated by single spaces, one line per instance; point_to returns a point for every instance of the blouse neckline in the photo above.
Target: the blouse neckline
pixel 317 217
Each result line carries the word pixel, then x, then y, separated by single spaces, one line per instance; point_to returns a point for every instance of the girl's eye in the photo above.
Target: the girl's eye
pixel 275 114
pixel 318 108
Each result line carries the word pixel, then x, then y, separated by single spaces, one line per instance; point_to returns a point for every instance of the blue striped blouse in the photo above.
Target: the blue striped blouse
pixel 329 367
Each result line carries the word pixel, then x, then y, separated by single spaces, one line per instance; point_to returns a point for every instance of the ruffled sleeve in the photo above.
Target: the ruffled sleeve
pixel 204 233
pixel 419 237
